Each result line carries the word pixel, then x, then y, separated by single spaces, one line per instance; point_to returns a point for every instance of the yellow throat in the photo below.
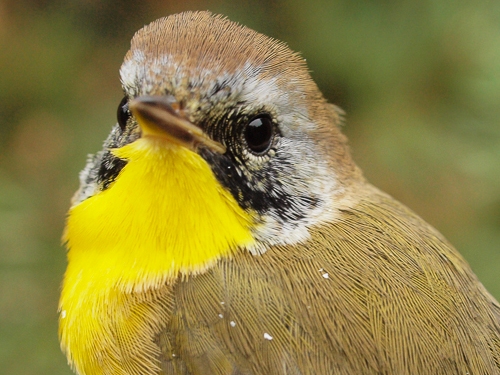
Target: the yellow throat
pixel 165 215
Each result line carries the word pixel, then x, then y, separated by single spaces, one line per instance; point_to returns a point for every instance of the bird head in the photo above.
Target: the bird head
pixel 228 109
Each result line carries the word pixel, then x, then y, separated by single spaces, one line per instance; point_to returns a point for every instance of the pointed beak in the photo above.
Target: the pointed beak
pixel 158 118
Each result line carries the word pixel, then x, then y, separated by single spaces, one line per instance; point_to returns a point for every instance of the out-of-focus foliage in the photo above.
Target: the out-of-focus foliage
pixel 420 81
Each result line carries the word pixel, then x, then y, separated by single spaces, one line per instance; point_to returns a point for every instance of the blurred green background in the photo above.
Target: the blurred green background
pixel 419 80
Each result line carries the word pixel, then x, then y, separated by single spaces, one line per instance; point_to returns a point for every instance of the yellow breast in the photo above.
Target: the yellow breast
pixel 166 215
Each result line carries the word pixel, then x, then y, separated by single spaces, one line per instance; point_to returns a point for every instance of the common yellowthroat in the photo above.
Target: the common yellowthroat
pixel 225 229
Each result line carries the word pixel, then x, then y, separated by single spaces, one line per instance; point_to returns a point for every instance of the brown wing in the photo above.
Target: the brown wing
pixel 378 292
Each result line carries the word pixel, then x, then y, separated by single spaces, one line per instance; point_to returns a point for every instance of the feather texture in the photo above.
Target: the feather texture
pixel 369 294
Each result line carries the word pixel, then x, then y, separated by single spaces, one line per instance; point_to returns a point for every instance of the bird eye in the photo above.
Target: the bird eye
pixel 259 134
pixel 123 113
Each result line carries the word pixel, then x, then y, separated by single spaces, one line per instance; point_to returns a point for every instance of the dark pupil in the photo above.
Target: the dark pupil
pixel 259 134
pixel 123 114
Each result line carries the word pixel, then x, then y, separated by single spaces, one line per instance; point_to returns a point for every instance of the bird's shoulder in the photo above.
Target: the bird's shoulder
pixel 369 285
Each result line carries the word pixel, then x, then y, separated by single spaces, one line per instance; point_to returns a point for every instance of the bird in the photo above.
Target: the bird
pixel 224 228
